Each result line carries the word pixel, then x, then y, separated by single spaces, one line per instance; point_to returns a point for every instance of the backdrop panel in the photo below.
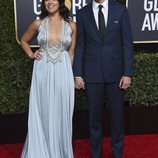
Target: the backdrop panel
pixel 26 11
pixel 144 20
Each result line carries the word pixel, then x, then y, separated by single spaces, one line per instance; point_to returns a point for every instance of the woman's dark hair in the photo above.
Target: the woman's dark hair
pixel 63 10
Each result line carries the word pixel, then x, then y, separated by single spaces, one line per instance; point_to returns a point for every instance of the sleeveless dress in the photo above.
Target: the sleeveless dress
pixel 51 100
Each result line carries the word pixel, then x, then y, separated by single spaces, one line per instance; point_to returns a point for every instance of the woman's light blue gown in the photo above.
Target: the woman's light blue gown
pixel 51 101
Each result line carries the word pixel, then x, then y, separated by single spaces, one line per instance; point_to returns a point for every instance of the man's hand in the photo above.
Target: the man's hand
pixel 125 82
pixel 79 83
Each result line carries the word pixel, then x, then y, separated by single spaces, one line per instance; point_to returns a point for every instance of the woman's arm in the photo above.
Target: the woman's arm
pixel 30 32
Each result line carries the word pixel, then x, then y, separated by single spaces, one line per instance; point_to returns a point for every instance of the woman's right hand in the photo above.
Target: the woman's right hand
pixel 37 55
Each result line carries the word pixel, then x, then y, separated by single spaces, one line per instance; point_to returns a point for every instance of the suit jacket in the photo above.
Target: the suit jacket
pixel 107 60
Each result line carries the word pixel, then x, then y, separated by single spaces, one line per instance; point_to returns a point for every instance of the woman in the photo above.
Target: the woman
pixel 52 89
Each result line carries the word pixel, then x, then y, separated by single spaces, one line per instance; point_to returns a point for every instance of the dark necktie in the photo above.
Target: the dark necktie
pixel 101 21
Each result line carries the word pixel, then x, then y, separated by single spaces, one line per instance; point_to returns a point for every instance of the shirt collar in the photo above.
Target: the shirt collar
pixel 104 4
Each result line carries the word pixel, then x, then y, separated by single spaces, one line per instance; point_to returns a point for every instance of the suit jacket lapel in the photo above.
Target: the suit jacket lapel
pixel 92 19
pixel 110 17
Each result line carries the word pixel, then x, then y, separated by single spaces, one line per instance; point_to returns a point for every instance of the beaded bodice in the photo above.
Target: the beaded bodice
pixel 53 51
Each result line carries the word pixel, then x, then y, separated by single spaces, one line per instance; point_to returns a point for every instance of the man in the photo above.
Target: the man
pixel 103 64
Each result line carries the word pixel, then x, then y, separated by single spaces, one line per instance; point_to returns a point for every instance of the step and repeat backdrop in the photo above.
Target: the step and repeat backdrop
pixel 26 11
pixel 143 16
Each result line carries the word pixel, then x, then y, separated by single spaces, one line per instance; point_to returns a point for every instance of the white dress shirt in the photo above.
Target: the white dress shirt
pixel 104 10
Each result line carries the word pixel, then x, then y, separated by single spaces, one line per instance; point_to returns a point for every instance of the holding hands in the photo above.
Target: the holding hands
pixel 124 83
pixel 79 83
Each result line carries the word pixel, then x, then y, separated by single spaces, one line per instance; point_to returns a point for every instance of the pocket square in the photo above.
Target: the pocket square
pixel 116 21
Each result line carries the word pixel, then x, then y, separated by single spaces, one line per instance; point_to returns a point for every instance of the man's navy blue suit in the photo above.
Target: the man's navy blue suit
pixel 101 62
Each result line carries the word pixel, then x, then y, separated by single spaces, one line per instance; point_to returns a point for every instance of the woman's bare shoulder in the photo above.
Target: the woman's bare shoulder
pixel 72 24
pixel 35 24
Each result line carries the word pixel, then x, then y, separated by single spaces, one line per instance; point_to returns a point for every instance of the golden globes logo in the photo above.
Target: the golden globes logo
pixel 68 4
pixel 74 5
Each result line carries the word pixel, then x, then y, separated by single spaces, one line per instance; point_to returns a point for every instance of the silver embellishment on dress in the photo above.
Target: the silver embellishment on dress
pixel 54 51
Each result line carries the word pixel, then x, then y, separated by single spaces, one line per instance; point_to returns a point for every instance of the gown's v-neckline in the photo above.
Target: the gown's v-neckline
pixel 49 41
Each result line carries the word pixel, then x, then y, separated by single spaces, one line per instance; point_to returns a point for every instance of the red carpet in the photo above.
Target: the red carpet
pixel 136 146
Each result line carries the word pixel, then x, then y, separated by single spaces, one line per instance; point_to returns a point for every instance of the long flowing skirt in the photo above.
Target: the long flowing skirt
pixel 51 107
